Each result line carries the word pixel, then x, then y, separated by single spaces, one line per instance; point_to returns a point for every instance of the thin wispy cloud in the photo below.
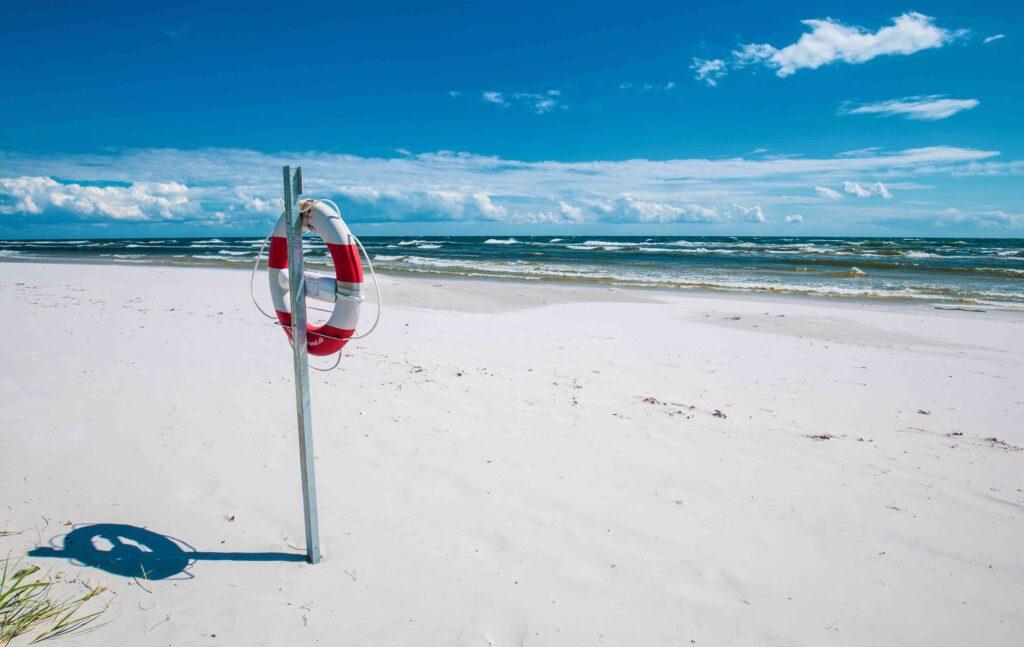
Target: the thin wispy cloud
pixel 537 102
pixel 993 38
pixel 649 86
pixel 829 41
pixel 921 108
pixel 830 194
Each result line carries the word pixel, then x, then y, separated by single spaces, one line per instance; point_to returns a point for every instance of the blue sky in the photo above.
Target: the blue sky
pixel 121 119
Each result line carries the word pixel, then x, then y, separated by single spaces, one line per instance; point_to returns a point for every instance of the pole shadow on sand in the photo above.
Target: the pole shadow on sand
pixel 131 551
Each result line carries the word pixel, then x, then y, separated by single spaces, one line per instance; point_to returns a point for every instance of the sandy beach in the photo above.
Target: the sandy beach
pixel 522 464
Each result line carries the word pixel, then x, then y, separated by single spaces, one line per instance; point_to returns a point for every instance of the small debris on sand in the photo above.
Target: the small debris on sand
pixel 821 436
pixel 924 413
pixel 1002 444
pixel 719 414
pixel 649 399
pixel 229 517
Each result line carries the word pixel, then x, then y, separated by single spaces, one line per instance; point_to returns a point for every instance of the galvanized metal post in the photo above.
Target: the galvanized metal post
pixel 297 293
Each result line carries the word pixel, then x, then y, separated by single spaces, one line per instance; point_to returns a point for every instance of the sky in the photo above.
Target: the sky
pixel 633 118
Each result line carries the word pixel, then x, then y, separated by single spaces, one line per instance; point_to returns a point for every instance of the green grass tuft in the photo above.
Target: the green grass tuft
pixel 28 605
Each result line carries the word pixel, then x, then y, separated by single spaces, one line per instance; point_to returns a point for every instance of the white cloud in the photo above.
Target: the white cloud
pixel 989 219
pixel 495 97
pixel 877 188
pixel 993 38
pixel 826 192
pixel 570 212
pixel 749 214
pixel 242 185
pixel 139 201
pixel 708 71
pixel 538 102
pixel 396 203
pixel 922 108
pixel 795 218
pixel 627 208
pixel 830 41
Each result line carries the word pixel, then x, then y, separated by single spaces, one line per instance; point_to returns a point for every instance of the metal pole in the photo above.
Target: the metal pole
pixel 297 292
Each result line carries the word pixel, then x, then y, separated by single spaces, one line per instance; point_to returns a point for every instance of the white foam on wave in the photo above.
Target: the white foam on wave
pixel 501 241
pixel 428 246
pixel 383 258
pixel 228 252
pixel 404 243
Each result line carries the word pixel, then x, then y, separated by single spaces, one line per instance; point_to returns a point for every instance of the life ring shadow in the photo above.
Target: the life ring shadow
pixel 130 551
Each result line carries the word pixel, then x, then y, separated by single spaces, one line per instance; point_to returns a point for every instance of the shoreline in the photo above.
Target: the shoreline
pixel 585 284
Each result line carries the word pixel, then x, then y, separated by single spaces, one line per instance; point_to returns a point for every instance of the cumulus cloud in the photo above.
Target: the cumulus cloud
pixel 922 108
pixel 708 71
pixel 877 188
pixel 749 214
pixel 627 208
pixel 856 189
pixel 393 203
pixel 993 38
pixel 830 41
pixel 795 218
pixel 826 192
pixel 139 201
pixel 242 186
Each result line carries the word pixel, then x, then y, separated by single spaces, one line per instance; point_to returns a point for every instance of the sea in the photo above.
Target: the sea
pixel 979 272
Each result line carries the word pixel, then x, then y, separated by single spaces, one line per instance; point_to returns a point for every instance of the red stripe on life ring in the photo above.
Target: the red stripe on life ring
pixel 278 259
pixel 347 266
pixel 320 340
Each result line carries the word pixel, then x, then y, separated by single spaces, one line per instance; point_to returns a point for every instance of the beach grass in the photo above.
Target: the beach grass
pixel 29 604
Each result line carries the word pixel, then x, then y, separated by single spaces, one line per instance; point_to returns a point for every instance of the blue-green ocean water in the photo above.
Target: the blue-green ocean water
pixel 984 272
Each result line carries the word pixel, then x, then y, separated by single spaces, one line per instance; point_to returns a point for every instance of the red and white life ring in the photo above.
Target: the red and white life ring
pixel 327 223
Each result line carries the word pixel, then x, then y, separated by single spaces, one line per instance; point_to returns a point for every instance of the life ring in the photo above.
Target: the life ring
pixel 348 270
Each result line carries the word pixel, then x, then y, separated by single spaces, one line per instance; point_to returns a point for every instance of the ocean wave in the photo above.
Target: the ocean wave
pixel 228 252
pixel 386 259
pixel 428 246
pixel 404 243
pixel 501 241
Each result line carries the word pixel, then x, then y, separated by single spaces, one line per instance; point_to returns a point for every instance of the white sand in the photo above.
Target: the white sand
pixel 489 474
